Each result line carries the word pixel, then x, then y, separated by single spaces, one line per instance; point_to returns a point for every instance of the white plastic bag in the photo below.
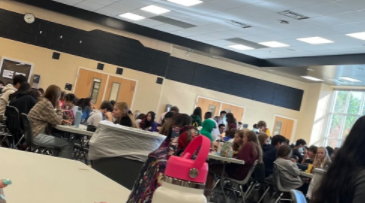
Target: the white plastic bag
pixel 113 140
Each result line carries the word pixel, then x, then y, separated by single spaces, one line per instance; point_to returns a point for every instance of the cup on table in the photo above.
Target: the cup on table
pixel 310 166
pixel 220 146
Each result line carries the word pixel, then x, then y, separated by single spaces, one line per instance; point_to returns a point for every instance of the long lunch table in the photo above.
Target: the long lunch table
pixel 81 130
pixel 38 178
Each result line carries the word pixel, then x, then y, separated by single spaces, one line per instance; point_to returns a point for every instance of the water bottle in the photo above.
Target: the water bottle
pixel 78 117
pixel 184 179
pixel 3 183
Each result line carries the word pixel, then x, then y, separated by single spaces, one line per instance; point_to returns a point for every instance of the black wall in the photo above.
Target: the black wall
pixel 126 52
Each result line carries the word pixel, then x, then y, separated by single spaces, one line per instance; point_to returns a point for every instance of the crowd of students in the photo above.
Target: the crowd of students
pixel 345 178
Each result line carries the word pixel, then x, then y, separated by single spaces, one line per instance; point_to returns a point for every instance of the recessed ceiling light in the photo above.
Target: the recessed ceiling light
pixel 315 40
pixel 349 79
pixel 186 2
pixel 358 35
pixel 312 78
pixel 240 47
pixel 273 44
pixel 132 16
pixel 155 9
pixel 310 69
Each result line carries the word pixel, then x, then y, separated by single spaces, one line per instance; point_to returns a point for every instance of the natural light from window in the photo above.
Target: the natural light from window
pixel 347 107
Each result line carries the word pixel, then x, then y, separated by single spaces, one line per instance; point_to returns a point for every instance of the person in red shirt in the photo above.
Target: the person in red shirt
pixel 247 148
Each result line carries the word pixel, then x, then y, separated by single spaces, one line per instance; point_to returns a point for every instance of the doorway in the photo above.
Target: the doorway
pixel 214 106
pixel 10 68
pixel 104 87
pixel 284 126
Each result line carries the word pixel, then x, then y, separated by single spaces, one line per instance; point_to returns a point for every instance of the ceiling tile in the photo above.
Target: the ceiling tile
pixel 351 17
pixel 323 9
pixel 89 5
pixel 167 28
pixel 104 2
pixel 69 2
pixel 353 4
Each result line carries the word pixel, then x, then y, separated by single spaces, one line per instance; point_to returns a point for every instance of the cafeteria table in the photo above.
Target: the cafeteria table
pixel 225 161
pixel 81 130
pixel 38 178
pixel 306 175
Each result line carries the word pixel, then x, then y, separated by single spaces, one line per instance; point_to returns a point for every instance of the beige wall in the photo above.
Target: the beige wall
pixel 149 95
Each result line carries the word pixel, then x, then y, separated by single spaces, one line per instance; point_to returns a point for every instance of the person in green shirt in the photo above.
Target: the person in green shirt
pixel 208 126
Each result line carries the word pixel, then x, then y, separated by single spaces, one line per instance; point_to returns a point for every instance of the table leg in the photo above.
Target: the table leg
pixel 222 181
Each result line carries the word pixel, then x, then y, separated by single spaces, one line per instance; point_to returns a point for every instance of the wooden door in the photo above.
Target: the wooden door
pixel 9 69
pixel 236 110
pixel 120 90
pixel 283 126
pixel 91 84
pixel 209 106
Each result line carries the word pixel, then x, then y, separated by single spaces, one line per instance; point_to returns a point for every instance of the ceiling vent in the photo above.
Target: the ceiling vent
pixel 239 24
pixel 293 15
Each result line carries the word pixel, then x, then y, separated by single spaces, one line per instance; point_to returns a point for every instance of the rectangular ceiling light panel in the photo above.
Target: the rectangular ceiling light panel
pixel 240 47
pixel 315 40
pixel 312 78
pixel 349 79
pixel 131 16
pixel 274 44
pixel 358 35
pixel 155 9
pixel 186 2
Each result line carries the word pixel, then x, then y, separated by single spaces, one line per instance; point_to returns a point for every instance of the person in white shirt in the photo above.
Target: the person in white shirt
pixel 70 101
pixel 221 119
pixel 103 113
pixel 174 109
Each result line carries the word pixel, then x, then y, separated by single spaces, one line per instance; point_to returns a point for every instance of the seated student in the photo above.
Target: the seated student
pixel 231 121
pixel 222 130
pixel 262 127
pixel 123 116
pixel 22 100
pixel 10 89
pixel 71 100
pixel 310 156
pixel 41 91
pixel 42 115
pixel 208 126
pixel 139 118
pixel 322 159
pixel 148 122
pixel 98 115
pixel 246 148
pixel 173 109
pixel 86 107
pixel 215 132
pixel 270 155
pixel 264 142
pixel 197 117
pixel 229 135
pixel 299 150
pixel 240 126
pixel 62 100
pixel 288 170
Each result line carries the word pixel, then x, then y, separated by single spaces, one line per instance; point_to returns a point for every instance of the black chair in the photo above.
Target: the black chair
pixel 260 180
pixel 29 139
pixel 13 124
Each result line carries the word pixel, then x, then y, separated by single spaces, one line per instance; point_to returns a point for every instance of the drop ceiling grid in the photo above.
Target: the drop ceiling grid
pixel 329 18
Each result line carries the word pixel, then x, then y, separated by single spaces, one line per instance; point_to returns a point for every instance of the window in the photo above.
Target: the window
pixel 347 107
pixel 114 91
pixel 95 90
